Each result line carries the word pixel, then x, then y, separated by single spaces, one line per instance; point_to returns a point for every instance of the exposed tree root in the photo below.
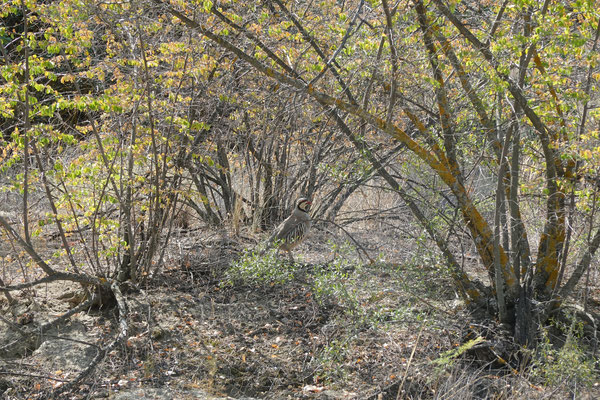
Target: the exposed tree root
pixel 122 334
pixel 30 339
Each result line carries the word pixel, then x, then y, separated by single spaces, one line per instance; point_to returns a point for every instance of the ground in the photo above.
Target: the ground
pixel 326 327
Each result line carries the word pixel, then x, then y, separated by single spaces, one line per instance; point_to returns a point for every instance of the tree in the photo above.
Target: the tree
pixel 116 117
pixel 499 90
pixel 114 122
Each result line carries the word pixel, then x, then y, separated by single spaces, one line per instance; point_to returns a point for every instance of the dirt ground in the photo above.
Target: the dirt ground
pixel 334 328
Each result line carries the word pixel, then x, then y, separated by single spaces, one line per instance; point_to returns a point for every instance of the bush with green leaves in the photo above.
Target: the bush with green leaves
pixel 256 269
pixel 569 364
pixel 336 281
pixel 331 359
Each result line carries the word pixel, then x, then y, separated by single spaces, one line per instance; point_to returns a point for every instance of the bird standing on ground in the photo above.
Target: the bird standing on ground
pixel 292 231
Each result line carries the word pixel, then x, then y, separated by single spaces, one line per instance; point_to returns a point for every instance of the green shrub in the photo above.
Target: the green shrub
pixel 569 364
pixel 337 281
pixel 256 269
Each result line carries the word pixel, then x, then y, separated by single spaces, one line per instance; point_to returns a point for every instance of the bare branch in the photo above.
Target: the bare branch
pixel 27 247
pixel 53 277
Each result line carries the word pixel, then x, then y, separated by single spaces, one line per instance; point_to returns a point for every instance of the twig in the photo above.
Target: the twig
pixel 28 335
pixel 329 63
pixel 68 339
pixel 412 354
pixel 7 294
pixel 502 360
pixel 68 314
pixel 358 245
pixel 31 376
pixel 27 247
pixel 421 299
pixel 13 326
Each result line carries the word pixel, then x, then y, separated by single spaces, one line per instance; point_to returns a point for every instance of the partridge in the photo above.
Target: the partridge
pixel 292 231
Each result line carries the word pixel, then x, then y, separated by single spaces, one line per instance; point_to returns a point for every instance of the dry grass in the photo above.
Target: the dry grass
pixel 337 328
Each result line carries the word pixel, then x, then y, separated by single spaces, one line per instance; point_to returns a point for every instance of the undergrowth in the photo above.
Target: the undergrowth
pixel 252 268
pixel 570 364
pixel 410 294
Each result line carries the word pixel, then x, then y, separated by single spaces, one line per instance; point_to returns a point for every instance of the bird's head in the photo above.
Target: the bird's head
pixel 303 204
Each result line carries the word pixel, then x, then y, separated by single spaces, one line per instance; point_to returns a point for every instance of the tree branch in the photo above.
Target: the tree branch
pixel 27 247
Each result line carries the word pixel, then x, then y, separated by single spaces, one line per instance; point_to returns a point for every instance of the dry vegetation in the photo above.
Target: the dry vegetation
pixel 451 151
pixel 332 327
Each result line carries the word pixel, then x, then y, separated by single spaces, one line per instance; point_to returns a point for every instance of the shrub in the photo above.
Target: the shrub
pixel 568 364
pixel 256 269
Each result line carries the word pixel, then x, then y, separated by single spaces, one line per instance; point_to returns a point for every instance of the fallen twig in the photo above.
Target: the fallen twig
pixel 56 276
pixel 7 294
pixel 39 331
pixel 31 376
pixel 412 354
pixel 13 326
pixel 87 304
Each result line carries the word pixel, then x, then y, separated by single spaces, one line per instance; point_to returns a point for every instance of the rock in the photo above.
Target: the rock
pixel 14 346
pixel 57 353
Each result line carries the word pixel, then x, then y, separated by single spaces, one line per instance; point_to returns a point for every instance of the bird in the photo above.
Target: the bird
pixel 292 231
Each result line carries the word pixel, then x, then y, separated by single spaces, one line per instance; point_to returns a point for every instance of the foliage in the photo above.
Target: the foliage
pixel 477 95
pixel 330 283
pixel 336 281
pixel 330 358
pixel 568 364
pixel 252 268
pixel 446 360
pixel 479 118
pixel 125 114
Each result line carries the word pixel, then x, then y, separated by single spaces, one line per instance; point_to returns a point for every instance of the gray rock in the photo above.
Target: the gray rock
pixel 66 352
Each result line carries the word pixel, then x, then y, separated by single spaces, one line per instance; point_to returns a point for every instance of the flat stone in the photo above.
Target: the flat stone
pixel 61 353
